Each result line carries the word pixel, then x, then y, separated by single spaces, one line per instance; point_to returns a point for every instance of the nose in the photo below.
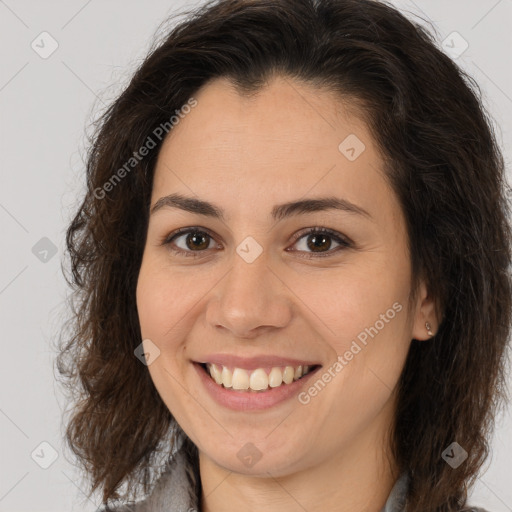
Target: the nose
pixel 250 300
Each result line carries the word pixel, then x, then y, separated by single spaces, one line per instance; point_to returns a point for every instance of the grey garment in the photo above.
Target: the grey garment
pixel 395 501
pixel 173 493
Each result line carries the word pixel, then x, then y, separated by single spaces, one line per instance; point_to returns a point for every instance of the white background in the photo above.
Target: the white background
pixel 45 106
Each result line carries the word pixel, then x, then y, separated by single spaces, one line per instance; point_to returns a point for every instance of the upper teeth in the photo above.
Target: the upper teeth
pixel 257 380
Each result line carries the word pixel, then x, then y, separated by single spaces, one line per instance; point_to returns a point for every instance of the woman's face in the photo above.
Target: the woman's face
pixel 249 281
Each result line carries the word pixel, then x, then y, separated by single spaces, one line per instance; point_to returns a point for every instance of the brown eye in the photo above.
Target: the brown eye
pixel 192 242
pixel 188 241
pixel 319 241
pixel 197 240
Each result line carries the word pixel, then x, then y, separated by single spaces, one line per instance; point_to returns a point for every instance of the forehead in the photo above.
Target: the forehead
pixel 285 115
pixel 287 140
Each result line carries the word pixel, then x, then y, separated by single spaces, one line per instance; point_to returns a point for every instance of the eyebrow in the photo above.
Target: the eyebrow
pixel 279 212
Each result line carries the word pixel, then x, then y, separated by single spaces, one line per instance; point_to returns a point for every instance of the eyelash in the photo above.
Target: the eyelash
pixel 344 242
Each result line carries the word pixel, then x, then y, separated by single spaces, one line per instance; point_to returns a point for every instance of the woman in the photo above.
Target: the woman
pixel 291 269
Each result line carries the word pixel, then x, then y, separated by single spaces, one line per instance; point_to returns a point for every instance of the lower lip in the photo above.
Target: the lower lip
pixel 248 400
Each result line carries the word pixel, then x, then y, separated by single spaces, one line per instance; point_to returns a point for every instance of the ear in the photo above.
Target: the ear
pixel 425 311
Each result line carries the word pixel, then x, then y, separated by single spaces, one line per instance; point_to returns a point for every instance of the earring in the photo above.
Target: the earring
pixel 429 329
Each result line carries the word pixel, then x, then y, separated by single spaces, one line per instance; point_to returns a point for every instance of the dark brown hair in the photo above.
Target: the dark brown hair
pixel 444 164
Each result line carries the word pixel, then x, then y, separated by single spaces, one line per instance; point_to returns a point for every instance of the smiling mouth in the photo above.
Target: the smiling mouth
pixel 257 380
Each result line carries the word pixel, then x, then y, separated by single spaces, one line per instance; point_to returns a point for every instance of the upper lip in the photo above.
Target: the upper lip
pixel 252 363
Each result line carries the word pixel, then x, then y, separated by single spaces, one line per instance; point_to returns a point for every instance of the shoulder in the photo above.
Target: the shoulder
pixel 169 494
pixel 141 506
pixel 172 491
pixel 123 508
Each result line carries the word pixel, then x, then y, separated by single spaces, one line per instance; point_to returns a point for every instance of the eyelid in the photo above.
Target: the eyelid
pixel 343 241
pixel 168 239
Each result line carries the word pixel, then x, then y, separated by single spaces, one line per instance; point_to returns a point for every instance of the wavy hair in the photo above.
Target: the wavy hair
pixel 442 160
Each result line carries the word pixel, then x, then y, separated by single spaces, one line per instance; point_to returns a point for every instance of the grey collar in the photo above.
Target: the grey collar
pixel 396 498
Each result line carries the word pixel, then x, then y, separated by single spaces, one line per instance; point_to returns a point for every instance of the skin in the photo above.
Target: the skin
pixel 245 155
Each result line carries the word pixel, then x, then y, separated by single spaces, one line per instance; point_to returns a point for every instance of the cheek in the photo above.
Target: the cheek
pixel 168 304
pixel 149 304
pixel 363 321
pixel 159 311
pixel 161 302
pixel 347 302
